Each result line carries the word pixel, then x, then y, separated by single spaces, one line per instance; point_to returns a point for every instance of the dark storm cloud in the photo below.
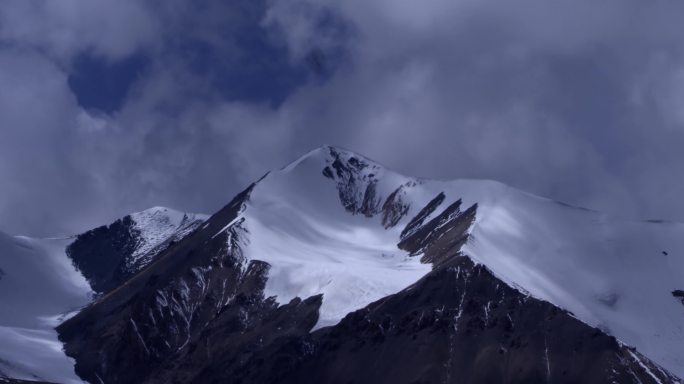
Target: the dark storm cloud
pixel 575 100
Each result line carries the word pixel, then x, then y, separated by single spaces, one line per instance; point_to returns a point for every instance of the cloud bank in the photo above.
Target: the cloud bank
pixel 574 100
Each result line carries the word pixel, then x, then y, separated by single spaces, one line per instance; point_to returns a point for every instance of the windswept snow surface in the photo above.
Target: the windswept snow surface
pixel 609 273
pixel 297 224
pixel 38 287
pixel 157 224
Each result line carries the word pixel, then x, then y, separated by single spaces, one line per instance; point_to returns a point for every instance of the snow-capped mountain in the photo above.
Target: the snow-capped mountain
pixel 40 285
pixel 335 269
pixel 617 276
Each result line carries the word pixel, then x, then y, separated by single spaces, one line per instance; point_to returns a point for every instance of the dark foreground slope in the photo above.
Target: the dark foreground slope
pixel 457 324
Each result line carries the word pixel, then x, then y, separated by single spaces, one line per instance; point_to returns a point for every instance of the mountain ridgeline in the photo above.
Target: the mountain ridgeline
pixel 335 269
pixel 225 304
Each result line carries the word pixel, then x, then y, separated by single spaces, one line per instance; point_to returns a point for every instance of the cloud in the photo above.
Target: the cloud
pixel 37 111
pixel 575 100
pixel 61 29
pixel 571 100
pixel 176 140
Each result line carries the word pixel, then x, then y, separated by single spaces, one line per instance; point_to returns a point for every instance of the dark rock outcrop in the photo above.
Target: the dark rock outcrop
pixel 460 324
pixel 357 189
pixel 104 255
pixel 395 207
pixel 100 254
pixel 356 184
pixel 418 220
pixel 128 333
pixel 441 237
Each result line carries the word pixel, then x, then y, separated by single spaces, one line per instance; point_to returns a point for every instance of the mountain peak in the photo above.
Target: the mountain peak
pixel 328 154
pixel 165 217
pixel 531 243
pixel 474 270
pixel 110 254
pixel 335 239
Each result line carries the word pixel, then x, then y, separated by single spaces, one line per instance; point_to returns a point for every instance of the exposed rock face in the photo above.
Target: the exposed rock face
pixel 109 255
pixel 459 324
pixel 357 185
pixel 126 334
pixel 100 254
pixel 441 237
pixel 250 341
pixel 395 207
pixel 417 222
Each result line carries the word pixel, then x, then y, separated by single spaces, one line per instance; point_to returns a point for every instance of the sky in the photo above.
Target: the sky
pixel 111 107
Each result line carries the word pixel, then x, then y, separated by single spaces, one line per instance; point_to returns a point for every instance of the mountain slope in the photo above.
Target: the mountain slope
pixel 37 286
pixel 610 274
pixel 455 325
pixel 109 255
pixel 323 243
pixel 40 284
pixel 618 276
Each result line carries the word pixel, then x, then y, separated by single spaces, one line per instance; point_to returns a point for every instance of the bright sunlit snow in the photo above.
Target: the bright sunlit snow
pixel 158 224
pixel 608 273
pixel 611 274
pixel 297 224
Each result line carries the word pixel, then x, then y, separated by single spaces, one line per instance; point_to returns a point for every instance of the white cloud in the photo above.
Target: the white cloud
pixel 61 29
pixel 573 101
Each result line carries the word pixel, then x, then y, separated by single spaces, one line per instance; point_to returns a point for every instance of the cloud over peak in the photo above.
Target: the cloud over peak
pixel 576 100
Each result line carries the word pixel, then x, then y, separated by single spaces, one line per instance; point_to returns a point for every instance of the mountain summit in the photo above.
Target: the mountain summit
pixel 335 269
